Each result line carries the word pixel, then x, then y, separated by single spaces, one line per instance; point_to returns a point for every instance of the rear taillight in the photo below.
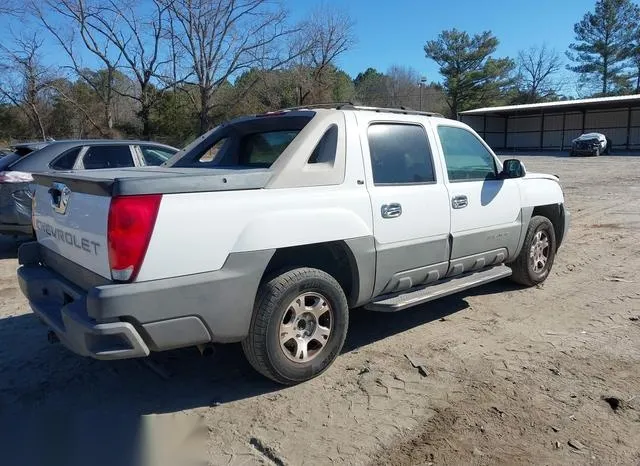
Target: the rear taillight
pixel 129 229
pixel 15 177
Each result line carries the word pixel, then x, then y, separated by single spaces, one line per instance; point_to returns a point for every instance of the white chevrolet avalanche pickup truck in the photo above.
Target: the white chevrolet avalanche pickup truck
pixel 269 228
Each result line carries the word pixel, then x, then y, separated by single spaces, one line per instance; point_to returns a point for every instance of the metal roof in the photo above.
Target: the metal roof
pixel 562 105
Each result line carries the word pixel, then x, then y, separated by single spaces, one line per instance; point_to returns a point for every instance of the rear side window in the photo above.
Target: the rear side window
pixel 108 157
pixel 467 159
pixel 155 156
pixel 400 154
pixel 325 151
pixel 66 161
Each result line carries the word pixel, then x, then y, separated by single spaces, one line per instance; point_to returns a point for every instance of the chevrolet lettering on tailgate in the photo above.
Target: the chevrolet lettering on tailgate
pixel 68 237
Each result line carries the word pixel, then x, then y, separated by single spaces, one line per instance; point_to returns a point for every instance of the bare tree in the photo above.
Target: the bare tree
pixel 223 38
pixel 138 39
pixel 25 80
pixel 65 20
pixel 536 69
pixel 328 34
pixel 10 7
pixel 403 86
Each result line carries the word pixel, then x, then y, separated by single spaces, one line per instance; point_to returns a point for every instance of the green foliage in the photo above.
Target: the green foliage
pixel 174 121
pixel 603 45
pixel 343 87
pixel 472 78
pixel 371 88
pixel 13 124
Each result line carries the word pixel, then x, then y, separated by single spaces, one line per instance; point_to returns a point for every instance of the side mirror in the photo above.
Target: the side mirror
pixel 513 168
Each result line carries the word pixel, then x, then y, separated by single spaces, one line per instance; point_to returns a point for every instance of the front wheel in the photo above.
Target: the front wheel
pixel 298 327
pixel 533 264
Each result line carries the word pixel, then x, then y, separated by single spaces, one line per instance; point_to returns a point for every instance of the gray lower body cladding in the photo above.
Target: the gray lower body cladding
pixel 116 321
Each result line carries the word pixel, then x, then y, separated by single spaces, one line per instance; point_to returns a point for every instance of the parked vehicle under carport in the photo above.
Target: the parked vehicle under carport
pixel 16 170
pixel 594 144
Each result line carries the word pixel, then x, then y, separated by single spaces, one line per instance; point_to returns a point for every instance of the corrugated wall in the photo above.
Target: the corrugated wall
pixel 555 130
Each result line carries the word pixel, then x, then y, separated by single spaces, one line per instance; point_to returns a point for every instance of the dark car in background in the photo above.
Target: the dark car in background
pixel 590 144
pixel 17 167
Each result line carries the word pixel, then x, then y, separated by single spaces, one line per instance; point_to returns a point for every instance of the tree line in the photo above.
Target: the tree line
pixel 171 69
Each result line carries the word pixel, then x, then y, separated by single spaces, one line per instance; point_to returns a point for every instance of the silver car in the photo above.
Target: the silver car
pixel 16 169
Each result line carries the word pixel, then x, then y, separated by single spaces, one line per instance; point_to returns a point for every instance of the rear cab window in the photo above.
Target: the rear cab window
pixel 262 149
pixel 253 143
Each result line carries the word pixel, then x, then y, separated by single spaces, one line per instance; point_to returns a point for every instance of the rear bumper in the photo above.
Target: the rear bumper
pixel 62 307
pixel 117 321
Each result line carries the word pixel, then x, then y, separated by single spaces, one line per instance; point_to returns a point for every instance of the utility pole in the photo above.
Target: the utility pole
pixel 422 82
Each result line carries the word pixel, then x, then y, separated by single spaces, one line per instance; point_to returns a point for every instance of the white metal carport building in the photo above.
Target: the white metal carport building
pixel 553 125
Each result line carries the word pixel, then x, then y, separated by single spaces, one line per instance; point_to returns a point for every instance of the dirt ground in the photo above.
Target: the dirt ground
pixel 548 375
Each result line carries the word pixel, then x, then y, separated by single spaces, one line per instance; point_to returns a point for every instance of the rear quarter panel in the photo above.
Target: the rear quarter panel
pixel 196 232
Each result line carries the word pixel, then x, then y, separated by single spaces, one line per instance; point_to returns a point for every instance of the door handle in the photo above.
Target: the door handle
pixel 392 210
pixel 459 202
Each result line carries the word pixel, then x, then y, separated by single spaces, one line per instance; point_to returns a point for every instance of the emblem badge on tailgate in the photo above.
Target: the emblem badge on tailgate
pixel 59 197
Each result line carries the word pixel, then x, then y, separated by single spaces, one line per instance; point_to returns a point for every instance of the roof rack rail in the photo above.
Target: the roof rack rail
pixel 351 106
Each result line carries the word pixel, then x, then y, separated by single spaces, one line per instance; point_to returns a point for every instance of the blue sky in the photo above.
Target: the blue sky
pixel 393 32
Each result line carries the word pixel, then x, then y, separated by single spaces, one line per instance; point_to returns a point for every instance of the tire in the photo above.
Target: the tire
pixel 278 314
pixel 525 272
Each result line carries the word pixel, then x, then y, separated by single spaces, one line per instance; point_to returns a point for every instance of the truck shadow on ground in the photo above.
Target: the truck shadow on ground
pixel 37 377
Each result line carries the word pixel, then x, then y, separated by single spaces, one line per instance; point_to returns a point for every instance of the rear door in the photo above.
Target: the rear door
pixel 409 200
pixel 485 210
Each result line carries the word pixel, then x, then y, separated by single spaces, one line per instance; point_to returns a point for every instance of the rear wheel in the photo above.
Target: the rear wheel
pixel 298 327
pixel 533 264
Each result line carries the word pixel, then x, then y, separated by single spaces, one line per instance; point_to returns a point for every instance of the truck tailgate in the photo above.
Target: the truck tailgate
pixel 74 225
